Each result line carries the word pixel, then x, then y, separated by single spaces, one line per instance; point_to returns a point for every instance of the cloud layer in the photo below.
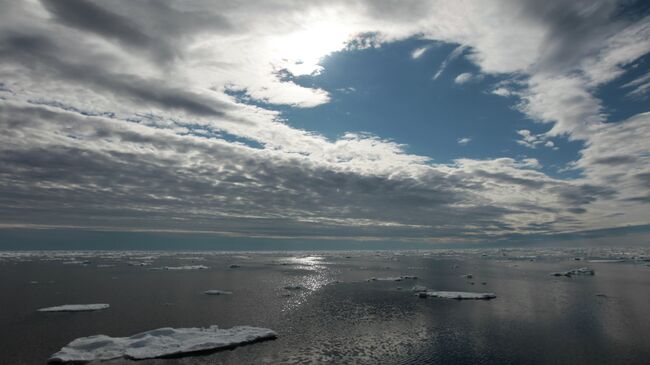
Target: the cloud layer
pixel 120 116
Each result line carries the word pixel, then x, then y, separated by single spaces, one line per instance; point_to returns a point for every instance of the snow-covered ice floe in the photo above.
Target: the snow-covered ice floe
pixel 579 271
pixel 216 292
pixel 607 261
pixel 75 308
pixel 186 267
pixel 162 342
pixel 456 295
pixel 395 278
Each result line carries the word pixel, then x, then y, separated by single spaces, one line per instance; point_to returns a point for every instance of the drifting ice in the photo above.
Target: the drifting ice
pixel 580 271
pixel 456 295
pixel 162 342
pixel 75 308
pixel 395 278
pixel 217 292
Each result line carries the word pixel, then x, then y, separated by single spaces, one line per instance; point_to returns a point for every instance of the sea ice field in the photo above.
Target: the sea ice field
pixel 465 306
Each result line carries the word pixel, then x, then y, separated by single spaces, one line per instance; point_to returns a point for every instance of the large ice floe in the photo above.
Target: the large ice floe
pixel 162 342
pixel 456 295
pixel 75 308
pixel 570 273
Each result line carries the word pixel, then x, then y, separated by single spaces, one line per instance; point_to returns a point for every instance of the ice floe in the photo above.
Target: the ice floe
pixel 162 342
pixel 395 278
pixel 456 295
pixel 75 308
pixel 579 271
pixel 186 267
pixel 217 292
pixel 418 288
pixel 606 261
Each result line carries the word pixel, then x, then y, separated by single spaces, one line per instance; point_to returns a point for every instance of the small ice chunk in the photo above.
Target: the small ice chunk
pixel 395 278
pixel 186 267
pixel 570 273
pixel 162 342
pixel 418 288
pixel 75 308
pixel 608 261
pixel 216 292
pixel 457 295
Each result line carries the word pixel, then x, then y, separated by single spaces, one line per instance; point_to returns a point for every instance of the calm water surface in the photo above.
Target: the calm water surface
pixel 339 317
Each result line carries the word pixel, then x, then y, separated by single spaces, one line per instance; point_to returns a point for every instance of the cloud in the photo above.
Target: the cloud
pixel 464 78
pixel 457 52
pixel 463 141
pixel 531 140
pixel 640 86
pixel 418 52
pixel 122 115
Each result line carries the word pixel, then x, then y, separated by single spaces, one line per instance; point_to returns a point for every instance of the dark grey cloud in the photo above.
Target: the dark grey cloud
pixel 88 16
pixel 41 55
pixel 52 173
pixel 151 26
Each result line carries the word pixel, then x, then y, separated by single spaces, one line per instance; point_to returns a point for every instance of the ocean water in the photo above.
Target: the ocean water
pixel 339 317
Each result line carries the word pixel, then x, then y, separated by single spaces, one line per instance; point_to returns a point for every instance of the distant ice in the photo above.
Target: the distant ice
pixel 162 342
pixel 75 308
pixel 394 278
pixel 607 261
pixel 456 295
pixel 216 292
pixel 419 288
pixel 579 271
pixel 186 267
pixel 76 262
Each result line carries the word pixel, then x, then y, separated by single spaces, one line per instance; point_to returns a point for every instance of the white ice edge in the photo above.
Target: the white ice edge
pixel 216 292
pixel 162 342
pixel 578 271
pixel 395 278
pixel 457 295
pixel 186 267
pixel 75 308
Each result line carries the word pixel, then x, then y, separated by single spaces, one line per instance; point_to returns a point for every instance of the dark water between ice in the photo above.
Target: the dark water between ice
pixel 535 319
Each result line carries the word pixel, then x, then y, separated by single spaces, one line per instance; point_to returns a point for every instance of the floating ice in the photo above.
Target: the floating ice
pixel 186 267
pixel 216 292
pixel 456 295
pixel 580 271
pixel 162 342
pixel 607 261
pixel 419 288
pixel 394 278
pixel 75 308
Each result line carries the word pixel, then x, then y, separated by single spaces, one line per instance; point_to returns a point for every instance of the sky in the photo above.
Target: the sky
pixel 324 123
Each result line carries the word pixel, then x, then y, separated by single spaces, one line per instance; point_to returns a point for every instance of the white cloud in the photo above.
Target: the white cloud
pixel 418 52
pixel 159 78
pixel 464 78
pixel 463 141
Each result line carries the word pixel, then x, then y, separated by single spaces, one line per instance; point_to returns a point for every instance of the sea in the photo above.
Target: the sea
pixel 340 307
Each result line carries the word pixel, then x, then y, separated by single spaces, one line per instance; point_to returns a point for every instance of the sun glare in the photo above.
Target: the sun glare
pixel 301 52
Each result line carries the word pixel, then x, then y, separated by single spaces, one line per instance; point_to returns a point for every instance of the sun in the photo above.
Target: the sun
pixel 301 52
